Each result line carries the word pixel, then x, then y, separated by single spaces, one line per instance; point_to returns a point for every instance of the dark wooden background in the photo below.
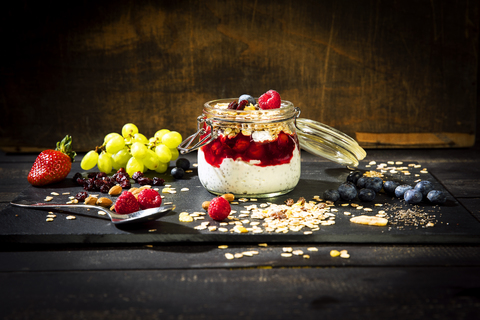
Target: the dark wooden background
pixel 389 73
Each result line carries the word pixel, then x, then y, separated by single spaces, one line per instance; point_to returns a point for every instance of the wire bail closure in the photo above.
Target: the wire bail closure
pixel 185 147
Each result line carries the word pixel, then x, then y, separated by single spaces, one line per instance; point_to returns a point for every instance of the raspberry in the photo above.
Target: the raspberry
pixel 149 198
pixel 269 100
pixel 219 209
pixel 126 203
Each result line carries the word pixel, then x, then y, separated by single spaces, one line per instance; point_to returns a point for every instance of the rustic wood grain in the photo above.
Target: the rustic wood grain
pixel 87 68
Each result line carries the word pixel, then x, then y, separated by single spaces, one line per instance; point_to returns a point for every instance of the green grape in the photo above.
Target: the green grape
pixel 104 163
pixel 175 154
pixel 172 139
pixel 110 136
pixel 138 137
pixel 159 135
pixel 134 165
pixel 163 152
pixel 162 167
pixel 115 164
pixel 129 130
pixel 151 160
pixel 138 150
pixel 122 157
pixel 89 160
pixel 115 144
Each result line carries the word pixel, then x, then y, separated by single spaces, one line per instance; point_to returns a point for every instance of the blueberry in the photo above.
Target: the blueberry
pixel 177 173
pixel 331 195
pixel 361 182
pixel 347 191
pixel 424 187
pixel 436 197
pixel 247 97
pixel 400 190
pixel 390 186
pixel 412 196
pixel 183 163
pixel 366 195
pixel 375 184
pixel 354 176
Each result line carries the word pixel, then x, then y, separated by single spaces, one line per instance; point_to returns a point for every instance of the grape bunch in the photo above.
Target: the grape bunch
pixel 133 151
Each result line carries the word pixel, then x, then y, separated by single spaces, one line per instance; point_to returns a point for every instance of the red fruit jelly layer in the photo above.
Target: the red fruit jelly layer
pixel 269 153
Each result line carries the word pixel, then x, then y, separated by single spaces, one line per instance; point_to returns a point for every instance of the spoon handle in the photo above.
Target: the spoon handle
pixel 60 205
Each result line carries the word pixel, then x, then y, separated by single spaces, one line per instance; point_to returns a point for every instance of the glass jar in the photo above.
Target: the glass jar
pixel 256 153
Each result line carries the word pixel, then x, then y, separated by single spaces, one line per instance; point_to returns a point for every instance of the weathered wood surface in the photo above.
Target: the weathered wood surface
pixel 368 68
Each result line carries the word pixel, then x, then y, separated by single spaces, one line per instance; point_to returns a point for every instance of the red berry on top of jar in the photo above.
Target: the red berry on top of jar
pixel 269 100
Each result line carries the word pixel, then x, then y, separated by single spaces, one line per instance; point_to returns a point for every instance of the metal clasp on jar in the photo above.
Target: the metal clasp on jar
pixel 185 146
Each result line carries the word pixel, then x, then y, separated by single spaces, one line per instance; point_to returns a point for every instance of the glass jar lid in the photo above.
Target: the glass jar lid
pixel 327 142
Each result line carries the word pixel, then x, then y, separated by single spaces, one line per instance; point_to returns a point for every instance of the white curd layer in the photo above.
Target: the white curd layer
pixel 244 178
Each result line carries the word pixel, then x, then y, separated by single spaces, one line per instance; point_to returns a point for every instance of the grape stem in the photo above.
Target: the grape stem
pixel 99 149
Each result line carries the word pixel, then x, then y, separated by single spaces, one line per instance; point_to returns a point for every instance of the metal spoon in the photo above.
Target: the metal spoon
pixel 135 217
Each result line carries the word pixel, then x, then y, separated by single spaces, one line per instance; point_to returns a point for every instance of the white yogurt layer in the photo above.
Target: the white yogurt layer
pixel 244 178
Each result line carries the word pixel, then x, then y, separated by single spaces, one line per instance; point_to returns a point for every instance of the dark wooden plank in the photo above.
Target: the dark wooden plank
pixel 360 66
pixel 309 293
pixel 209 256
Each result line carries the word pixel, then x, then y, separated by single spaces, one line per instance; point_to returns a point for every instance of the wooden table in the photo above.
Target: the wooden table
pixel 190 280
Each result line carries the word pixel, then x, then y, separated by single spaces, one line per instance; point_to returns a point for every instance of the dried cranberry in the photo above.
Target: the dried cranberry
pixel 76 176
pixel 89 186
pixel 156 181
pixel 137 175
pixel 242 105
pixel 101 175
pixel 80 181
pixel 92 174
pixel 121 170
pixel 98 184
pixel 144 181
pixel 104 188
pixel 82 195
pixel 233 105
pixel 125 184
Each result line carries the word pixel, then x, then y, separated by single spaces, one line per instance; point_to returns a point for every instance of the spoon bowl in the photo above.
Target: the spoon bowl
pixel 130 218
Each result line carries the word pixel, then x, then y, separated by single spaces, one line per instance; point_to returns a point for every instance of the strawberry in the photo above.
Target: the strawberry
pixel 219 208
pixel 52 165
pixel 269 100
pixel 126 203
pixel 149 198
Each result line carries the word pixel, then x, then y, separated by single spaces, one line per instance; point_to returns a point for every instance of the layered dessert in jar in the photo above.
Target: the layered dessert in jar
pixel 251 148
